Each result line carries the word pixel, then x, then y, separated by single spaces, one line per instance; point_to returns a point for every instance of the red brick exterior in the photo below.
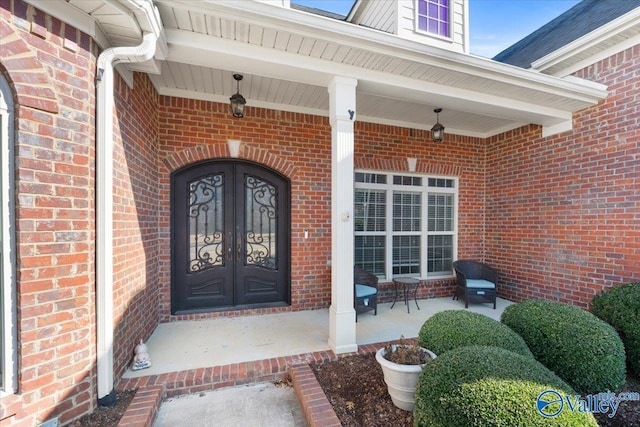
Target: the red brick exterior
pixel 51 69
pixel 296 145
pixel 559 217
pixel 563 213
pixel 135 218
pixel 299 146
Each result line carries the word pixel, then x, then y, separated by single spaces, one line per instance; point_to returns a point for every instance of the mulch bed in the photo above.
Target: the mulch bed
pixel 355 387
pixel 107 416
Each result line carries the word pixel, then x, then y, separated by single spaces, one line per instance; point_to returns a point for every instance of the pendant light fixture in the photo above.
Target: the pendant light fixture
pixel 437 131
pixel 237 101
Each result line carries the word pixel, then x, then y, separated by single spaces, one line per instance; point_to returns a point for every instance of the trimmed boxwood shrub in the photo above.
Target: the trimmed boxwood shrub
pixel 451 329
pixel 489 386
pixel 620 307
pixel 583 350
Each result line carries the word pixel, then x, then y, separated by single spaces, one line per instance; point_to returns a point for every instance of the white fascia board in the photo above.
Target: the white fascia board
pixel 604 54
pixel 556 128
pixel 345 33
pixel 599 35
pixel 186 47
pixel 148 18
pixel 353 10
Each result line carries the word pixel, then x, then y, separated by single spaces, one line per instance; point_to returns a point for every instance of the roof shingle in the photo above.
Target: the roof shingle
pixel 583 18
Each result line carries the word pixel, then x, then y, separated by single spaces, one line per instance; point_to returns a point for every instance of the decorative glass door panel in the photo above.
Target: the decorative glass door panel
pixel 261 223
pixel 230 237
pixel 206 226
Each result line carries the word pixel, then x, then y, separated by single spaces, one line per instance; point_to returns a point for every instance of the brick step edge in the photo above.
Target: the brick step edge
pixel 144 407
pixel 154 389
pixel 314 402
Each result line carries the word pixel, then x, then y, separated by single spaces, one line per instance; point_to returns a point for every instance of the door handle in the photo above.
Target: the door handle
pixel 238 246
pixel 229 246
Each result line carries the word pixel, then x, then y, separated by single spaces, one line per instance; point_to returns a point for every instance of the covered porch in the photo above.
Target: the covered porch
pixel 325 98
pixel 191 345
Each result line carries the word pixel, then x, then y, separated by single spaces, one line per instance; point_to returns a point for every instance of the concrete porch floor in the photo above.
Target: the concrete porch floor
pixel 203 358
pixel 190 345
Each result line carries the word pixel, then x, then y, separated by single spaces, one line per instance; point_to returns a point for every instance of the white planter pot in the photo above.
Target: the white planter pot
pixel 401 380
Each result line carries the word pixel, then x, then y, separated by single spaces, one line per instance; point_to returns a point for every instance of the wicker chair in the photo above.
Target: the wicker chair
pixel 475 280
pixel 365 293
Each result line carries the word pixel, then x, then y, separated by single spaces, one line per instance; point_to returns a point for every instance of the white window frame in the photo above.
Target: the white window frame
pixel 416 16
pixel 425 190
pixel 8 317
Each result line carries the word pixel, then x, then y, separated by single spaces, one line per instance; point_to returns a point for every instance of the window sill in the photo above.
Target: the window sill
pixel 447 39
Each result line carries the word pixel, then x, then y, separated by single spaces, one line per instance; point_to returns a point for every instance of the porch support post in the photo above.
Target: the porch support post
pixel 342 107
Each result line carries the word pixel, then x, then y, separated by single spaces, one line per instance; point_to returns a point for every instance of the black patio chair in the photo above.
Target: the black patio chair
pixel 475 280
pixel 365 293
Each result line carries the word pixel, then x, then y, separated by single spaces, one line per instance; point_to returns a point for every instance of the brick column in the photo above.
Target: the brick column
pixel 342 107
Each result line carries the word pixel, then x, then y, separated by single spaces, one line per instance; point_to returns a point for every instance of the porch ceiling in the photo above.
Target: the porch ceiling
pixel 288 57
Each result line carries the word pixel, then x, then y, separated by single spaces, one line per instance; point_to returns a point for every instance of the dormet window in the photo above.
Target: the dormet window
pixel 434 17
pixel 405 225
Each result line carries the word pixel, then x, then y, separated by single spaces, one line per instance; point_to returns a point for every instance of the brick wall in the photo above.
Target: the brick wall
pixel 299 146
pixel 563 212
pixel 135 217
pixel 296 145
pixel 50 68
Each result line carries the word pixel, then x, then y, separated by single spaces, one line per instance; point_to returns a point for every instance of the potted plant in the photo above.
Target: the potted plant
pixel 401 365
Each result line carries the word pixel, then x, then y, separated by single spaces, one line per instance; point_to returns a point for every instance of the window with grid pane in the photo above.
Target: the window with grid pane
pixel 440 212
pixel 405 225
pixel 440 219
pixel 406 219
pixel 369 210
pixel 370 253
pixel 406 255
pixel 370 224
pixel 433 17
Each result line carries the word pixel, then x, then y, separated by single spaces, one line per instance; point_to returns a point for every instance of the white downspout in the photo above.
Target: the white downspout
pixel 104 203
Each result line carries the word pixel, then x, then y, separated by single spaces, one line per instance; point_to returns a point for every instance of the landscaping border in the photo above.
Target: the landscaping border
pixel 152 390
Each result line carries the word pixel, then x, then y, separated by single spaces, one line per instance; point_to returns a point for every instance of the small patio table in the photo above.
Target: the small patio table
pixel 408 284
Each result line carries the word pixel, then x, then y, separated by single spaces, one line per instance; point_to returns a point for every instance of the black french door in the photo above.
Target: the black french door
pixel 230 237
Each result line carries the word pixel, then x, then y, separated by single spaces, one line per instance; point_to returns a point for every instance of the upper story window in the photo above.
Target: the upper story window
pixel 405 225
pixel 434 17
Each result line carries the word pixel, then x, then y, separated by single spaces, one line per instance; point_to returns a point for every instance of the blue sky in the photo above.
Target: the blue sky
pixel 495 24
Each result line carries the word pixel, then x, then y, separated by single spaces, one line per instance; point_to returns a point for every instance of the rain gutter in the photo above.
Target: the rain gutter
pixel 107 60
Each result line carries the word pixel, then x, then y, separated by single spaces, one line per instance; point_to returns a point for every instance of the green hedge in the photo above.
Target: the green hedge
pixel 489 386
pixel 451 329
pixel 583 350
pixel 620 307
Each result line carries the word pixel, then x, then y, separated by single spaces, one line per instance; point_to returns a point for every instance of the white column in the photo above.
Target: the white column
pixel 342 108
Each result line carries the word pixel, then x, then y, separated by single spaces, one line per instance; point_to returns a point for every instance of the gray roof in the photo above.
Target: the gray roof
pixel 581 19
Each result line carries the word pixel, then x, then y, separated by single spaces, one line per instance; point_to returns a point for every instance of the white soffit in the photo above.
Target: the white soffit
pixel 288 58
pixel 399 81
